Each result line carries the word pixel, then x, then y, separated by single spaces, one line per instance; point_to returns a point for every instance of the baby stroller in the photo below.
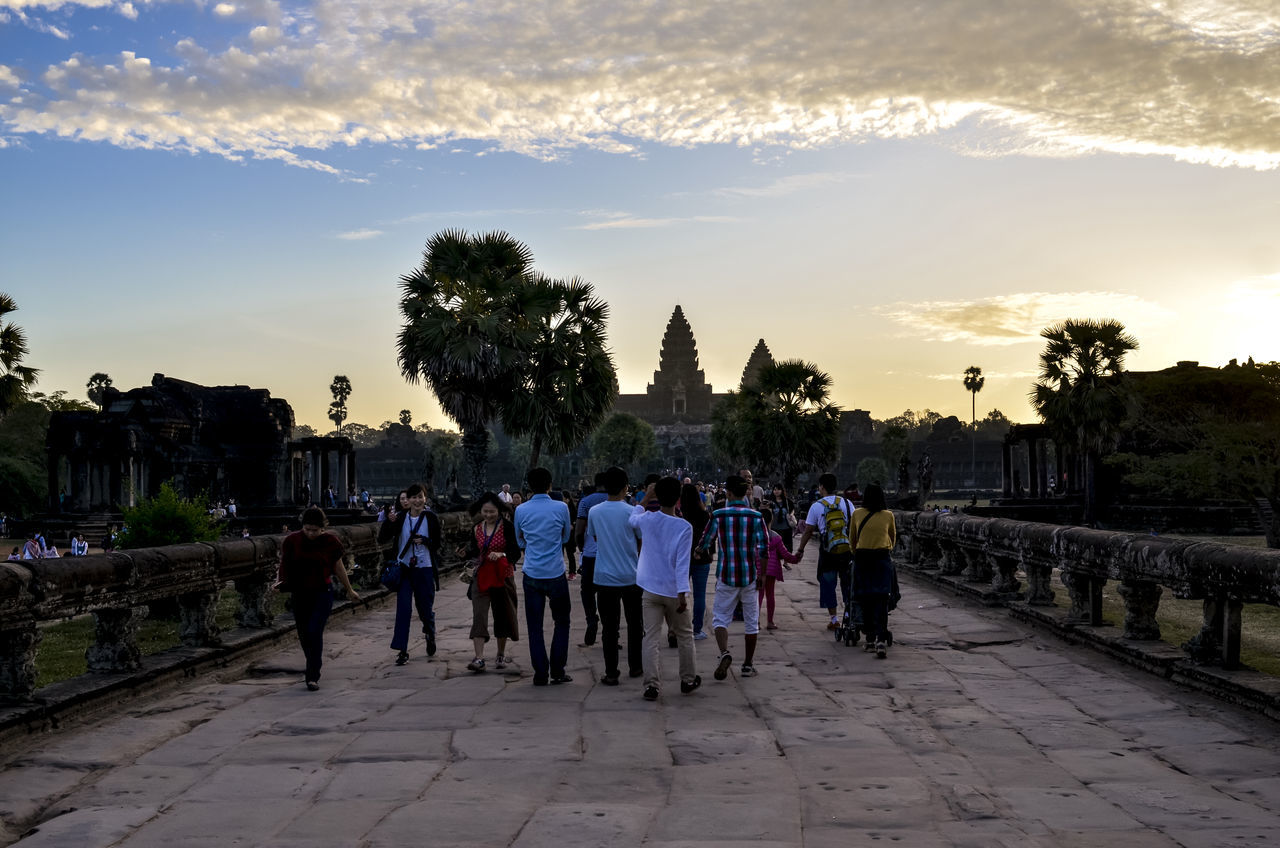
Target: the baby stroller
pixel 849 630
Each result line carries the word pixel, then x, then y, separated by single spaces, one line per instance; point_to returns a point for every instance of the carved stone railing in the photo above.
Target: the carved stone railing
pixel 990 552
pixel 117 587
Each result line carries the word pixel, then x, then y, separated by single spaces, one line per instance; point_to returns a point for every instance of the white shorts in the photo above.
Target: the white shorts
pixel 727 598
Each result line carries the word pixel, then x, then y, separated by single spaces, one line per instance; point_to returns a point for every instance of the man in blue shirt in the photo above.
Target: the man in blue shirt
pixel 587 544
pixel 542 527
pixel 618 548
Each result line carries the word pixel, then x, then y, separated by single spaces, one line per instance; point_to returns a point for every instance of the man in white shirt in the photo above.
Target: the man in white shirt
pixel 505 494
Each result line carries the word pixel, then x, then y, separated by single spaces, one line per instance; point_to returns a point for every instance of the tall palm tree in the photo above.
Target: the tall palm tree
pixel 467 329
pixel 569 383
pixel 973 381
pixel 15 378
pixel 1079 393
pixel 783 421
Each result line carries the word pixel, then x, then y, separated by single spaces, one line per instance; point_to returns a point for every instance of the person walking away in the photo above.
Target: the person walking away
pixel 663 576
pixel 775 562
pixel 415 535
pixel 586 571
pixel 739 531
pixel 693 510
pixel 617 556
pixel 494 550
pixel 310 559
pixel 829 517
pixel 542 527
pixel 875 533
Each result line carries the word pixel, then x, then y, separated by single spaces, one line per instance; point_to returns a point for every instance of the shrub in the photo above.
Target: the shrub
pixel 167 519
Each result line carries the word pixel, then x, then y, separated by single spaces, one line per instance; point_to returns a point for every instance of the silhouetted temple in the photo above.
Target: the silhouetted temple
pixel 679 393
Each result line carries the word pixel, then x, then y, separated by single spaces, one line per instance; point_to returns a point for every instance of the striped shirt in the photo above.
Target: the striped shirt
pixel 743 542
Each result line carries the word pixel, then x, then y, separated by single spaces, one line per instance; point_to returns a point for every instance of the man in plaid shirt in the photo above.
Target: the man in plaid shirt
pixel 743 546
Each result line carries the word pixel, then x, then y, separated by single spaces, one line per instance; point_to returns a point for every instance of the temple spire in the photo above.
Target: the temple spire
pixel 678 361
pixel 760 357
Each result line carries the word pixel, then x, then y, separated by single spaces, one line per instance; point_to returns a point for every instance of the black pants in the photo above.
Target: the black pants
pixel 614 602
pixel 875 617
pixel 310 614
pixel 587 583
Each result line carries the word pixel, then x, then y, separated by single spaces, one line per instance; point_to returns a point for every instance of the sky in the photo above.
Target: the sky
pixel 229 192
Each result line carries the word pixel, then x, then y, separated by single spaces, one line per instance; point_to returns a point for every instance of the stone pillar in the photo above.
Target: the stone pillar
pixel 930 552
pixel 52 463
pixel 1141 601
pixel 255 602
pixel 1033 468
pixel 1086 597
pixel 197 627
pixel 1231 633
pixel 1004 575
pixel 977 566
pixel 1206 646
pixel 18 660
pixel 115 642
pixel 952 561
pixel 1006 469
pixel 1039 584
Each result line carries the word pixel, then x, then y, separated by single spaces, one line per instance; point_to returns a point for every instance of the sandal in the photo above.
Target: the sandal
pixel 476 664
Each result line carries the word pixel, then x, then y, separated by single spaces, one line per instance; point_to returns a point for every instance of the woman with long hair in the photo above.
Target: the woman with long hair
pixel 784 521
pixel 692 510
pixel 494 550
pixel 415 536
pixel 874 534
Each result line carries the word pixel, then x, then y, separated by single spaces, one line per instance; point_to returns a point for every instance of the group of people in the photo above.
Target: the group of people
pixel 37 547
pixel 646 558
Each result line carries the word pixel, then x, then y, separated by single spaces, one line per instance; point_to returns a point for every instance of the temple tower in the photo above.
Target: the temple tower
pixel 679 391
pixel 760 357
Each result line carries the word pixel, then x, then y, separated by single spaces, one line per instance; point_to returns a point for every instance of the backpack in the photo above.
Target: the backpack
pixel 835 535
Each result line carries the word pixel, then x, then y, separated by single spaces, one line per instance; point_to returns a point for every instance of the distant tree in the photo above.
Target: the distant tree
pixel 340 388
pixel 1080 393
pixel 15 378
pixel 947 429
pixel 59 402
pixel 167 519
pixel 97 386
pixel 872 470
pixel 973 382
pixel 568 383
pixel 895 450
pixel 994 426
pixel 783 422
pixel 23 467
pixel 406 417
pixel 622 440
pixel 303 431
pixel 362 435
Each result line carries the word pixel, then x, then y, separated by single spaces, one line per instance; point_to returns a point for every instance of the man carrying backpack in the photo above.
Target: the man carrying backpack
pixel 829 516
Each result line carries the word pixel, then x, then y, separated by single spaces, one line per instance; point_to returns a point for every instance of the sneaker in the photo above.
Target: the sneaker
pixel 722 670
pixel 476 664
pixel 700 635
pixel 881 650
pixel 833 623
pixel 747 671
pixel 402 658
pixel 651 693
pixel 771 626
pixel 500 662
pixel 561 678
pixel 431 646
pixel 312 685
pixel 609 680
pixel 686 688
pixel 590 637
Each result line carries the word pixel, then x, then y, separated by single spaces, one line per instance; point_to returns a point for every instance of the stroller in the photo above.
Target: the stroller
pixel 850 628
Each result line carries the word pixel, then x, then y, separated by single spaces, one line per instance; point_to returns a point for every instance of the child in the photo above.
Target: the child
pixel 778 558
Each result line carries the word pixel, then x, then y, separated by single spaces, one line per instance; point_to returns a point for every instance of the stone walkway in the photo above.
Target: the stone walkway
pixel 974 732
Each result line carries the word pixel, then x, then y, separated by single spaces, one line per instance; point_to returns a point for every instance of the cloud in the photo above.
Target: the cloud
pixel 621 221
pixel 1017 318
pixel 789 185
pixel 1195 80
pixel 359 235
pixel 1254 298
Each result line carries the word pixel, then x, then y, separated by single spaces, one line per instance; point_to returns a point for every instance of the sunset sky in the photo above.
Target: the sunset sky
pixel 228 192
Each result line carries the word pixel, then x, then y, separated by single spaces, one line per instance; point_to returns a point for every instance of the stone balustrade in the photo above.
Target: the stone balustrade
pixel 117 587
pixel 990 553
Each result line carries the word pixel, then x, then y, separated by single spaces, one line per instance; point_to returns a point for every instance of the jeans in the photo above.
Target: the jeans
pixel 310 614
pixel 587 585
pixel 615 602
pixel 833 567
pixel 698 575
pixel 416 585
pixel 538 594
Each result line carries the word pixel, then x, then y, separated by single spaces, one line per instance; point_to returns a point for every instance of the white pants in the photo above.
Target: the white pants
pixel 727 598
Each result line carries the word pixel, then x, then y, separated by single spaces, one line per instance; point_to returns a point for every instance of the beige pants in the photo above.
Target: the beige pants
pixel 656 610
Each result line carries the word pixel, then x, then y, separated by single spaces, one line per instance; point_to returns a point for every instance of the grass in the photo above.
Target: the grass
pixel 61 654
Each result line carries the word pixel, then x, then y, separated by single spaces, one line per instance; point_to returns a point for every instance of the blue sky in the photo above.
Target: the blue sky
pixel 228 192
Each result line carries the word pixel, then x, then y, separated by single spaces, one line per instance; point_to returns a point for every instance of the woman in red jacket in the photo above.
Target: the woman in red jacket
pixel 494 550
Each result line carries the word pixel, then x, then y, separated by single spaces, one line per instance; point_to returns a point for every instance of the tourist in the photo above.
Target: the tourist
pixel 835 554
pixel 79 547
pixel 109 540
pixel 663 576
pixel 492 547
pixel 309 560
pixel 51 552
pixel 505 494
pixel 775 562
pixel 231 508
pixel 739 531
pixel 614 575
pixel 755 494
pixel 570 547
pixel 694 512
pixel 415 534
pixel 31 549
pixel 516 499
pixel 784 517
pixel 542 526
pixel 586 586
pixel 875 533
pixel 15 554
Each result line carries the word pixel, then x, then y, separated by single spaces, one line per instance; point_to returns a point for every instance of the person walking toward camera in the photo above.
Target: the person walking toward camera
pixel 415 535
pixel 542 527
pixel 310 559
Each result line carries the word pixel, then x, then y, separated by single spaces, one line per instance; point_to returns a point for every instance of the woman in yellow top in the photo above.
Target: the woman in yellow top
pixel 874 535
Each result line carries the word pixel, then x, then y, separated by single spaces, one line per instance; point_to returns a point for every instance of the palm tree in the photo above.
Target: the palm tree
pixel 569 383
pixel 973 381
pixel 340 388
pixel 1079 393
pixel 467 331
pixel 783 421
pixel 97 386
pixel 15 378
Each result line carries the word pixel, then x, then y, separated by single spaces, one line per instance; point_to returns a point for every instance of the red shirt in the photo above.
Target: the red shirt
pixel 308 564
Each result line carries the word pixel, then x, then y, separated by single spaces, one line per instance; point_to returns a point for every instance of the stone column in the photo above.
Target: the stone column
pixel 197 627
pixel 1004 575
pixel 1006 468
pixel 52 469
pixel 1033 468
pixel 1141 601
pixel 952 561
pixel 1086 597
pixel 18 660
pixel 115 643
pixel 255 602
pixel 1039 583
